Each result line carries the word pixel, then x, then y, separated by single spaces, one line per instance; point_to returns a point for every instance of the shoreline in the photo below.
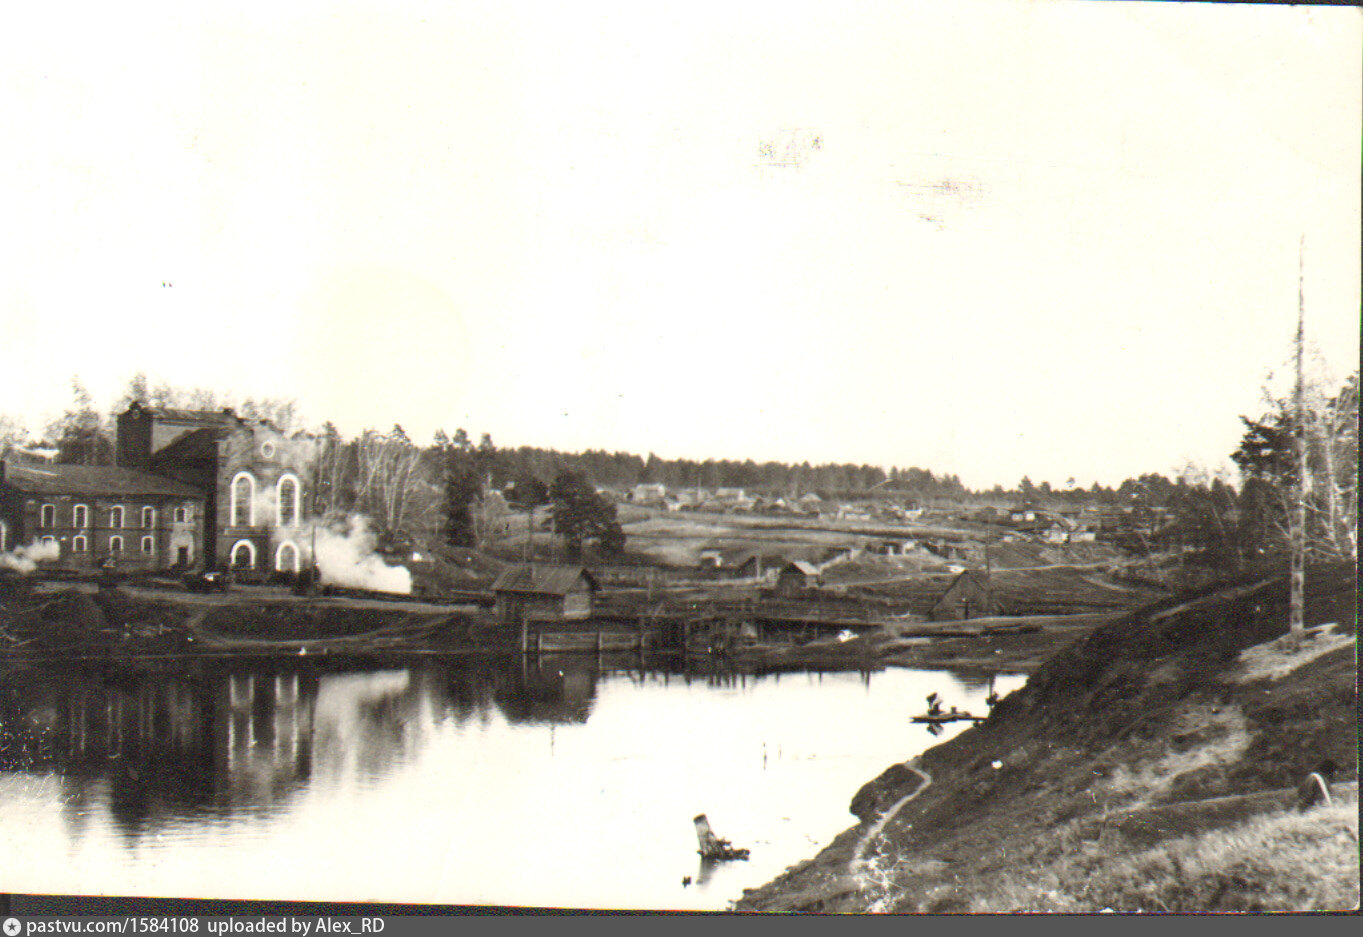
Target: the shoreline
pixel 70 620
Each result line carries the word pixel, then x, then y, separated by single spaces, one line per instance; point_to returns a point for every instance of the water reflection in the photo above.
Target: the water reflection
pixel 207 738
pixel 221 737
pixel 223 754
pixel 161 745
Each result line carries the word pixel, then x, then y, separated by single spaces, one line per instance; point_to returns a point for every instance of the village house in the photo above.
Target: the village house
pixel 890 547
pixel 711 558
pixel 100 515
pixel 761 566
pixel 1055 532
pixel 733 499
pixel 796 577
pixel 830 556
pixel 652 493
pixel 853 512
pixel 533 592
pixel 970 595
pixel 730 560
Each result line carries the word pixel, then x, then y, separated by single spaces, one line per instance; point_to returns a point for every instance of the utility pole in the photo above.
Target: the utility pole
pixel 1297 597
pixel 529 533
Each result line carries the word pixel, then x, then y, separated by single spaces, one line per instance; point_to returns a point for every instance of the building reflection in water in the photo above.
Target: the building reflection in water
pixel 216 738
pixel 160 744
pixel 167 742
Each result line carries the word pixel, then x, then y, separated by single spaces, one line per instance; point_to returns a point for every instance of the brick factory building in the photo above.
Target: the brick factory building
pixel 223 492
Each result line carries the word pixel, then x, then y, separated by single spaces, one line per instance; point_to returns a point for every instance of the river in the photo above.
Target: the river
pixel 559 782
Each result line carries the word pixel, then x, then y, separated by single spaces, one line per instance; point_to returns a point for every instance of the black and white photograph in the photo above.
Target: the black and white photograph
pixel 750 457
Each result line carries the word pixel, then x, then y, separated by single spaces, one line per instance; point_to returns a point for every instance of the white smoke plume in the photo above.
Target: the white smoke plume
pixel 347 558
pixel 25 559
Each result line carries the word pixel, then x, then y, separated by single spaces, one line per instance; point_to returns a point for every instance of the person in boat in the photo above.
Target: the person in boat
pixel 934 705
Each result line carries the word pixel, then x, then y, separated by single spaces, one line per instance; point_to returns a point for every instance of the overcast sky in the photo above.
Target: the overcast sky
pixel 997 239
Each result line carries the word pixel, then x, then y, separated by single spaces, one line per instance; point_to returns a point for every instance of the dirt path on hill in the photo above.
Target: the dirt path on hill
pixel 858 860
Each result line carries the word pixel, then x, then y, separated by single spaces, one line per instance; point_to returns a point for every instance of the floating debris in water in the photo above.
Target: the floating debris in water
pixel 711 846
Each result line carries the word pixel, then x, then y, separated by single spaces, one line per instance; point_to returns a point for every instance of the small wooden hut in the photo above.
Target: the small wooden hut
pixel 796 577
pixel 970 595
pixel 535 592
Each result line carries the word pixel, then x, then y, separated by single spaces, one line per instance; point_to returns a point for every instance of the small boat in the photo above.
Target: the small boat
pixel 940 718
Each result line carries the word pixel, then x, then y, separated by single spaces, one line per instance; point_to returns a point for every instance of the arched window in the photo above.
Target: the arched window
pixel 148 517
pixel 79 544
pixel 115 544
pixel 288 494
pixel 49 516
pixel 244 555
pixel 116 516
pixel 80 516
pixel 243 507
pixel 148 544
pixel 181 515
pixel 286 558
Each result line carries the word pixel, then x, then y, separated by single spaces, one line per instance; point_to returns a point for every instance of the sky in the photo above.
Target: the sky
pixel 1052 239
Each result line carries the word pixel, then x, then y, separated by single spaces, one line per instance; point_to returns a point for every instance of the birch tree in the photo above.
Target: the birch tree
pixel 391 486
pixel 1269 469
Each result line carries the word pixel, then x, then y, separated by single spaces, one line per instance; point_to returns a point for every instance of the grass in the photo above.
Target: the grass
pixel 1278 861
pixel 1274 660
pixel 1151 766
pixel 1218 736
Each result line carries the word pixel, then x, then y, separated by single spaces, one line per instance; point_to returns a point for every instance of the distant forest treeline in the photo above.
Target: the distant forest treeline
pixel 451 489
pixel 85 435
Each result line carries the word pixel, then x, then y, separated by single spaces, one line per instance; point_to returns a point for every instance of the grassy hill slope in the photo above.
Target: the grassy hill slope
pixel 1149 766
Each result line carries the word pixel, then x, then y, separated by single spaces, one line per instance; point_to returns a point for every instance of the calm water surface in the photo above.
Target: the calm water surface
pixel 567 782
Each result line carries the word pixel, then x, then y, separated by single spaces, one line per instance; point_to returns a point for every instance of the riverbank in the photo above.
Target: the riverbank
pixel 55 618
pixel 1151 765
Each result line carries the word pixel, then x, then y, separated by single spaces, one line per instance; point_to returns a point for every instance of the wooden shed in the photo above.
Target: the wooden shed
pixel 970 595
pixel 544 593
pixel 797 576
pixel 762 566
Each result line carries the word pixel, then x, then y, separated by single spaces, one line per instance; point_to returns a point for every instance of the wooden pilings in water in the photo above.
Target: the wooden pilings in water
pixel 597 637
